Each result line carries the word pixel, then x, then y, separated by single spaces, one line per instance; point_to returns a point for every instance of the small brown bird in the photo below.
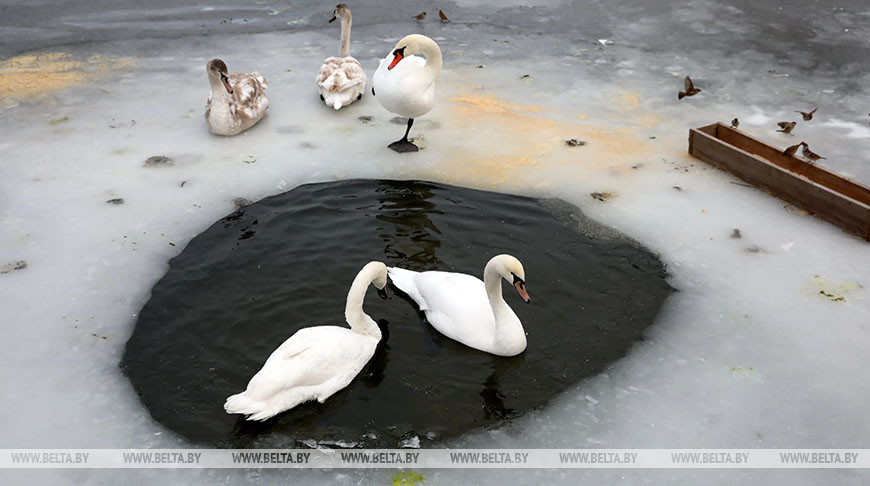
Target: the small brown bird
pixel 735 123
pixel 420 16
pixel 691 90
pixel 807 116
pixel 789 152
pixel 786 127
pixel 809 153
pixel 443 17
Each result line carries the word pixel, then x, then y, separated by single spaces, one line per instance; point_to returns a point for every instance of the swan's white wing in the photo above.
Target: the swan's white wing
pixel 405 281
pixel 312 357
pixel 458 307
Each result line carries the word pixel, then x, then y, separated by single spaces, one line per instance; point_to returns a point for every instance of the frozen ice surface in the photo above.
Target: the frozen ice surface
pixel 412 442
pixel 765 345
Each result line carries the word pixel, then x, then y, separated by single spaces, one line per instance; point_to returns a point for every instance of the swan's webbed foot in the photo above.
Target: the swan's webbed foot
pixel 359 97
pixel 403 146
pixel 321 98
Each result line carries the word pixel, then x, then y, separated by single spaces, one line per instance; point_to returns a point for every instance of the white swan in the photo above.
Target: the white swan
pixel 315 362
pixel 236 101
pixel 467 310
pixel 341 80
pixel 405 84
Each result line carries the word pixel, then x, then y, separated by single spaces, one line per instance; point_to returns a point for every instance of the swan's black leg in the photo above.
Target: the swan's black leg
pixel 404 145
pixel 408 129
pixel 321 98
pixel 359 97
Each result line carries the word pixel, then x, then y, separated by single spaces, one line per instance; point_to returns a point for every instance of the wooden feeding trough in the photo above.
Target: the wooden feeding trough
pixel 817 190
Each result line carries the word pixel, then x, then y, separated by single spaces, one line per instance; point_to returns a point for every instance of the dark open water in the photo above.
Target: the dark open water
pixel 255 277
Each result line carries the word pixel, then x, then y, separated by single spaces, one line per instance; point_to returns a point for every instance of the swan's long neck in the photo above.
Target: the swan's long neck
pixel 218 91
pixel 359 321
pixel 492 282
pixel 433 57
pixel 345 36
pixel 509 335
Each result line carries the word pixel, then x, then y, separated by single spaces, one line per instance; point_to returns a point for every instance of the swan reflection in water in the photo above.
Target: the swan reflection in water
pixel 411 237
pixel 493 397
pixel 375 372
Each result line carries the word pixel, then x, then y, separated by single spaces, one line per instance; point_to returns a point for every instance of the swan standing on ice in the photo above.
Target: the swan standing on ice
pixel 236 102
pixel 405 84
pixel 341 80
pixel 315 362
pixel 467 310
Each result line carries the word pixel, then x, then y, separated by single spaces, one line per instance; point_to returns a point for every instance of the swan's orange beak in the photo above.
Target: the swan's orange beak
pixel 397 56
pixel 520 284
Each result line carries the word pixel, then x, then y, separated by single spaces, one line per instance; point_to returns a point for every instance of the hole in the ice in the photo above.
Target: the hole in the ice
pixel 258 275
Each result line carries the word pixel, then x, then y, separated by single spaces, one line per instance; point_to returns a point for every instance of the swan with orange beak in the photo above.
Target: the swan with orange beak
pixel 468 310
pixel 404 83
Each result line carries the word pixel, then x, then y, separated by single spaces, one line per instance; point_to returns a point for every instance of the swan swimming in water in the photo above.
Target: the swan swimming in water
pixel 315 362
pixel 405 84
pixel 467 310
pixel 236 101
pixel 341 80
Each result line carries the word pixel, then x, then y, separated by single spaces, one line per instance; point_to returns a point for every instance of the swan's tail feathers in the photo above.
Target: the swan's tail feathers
pixel 404 280
pixel 333 100
pixel 261 410
pixel 264 415
pixel 245 405
pixel 242 403
pixel 401 278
